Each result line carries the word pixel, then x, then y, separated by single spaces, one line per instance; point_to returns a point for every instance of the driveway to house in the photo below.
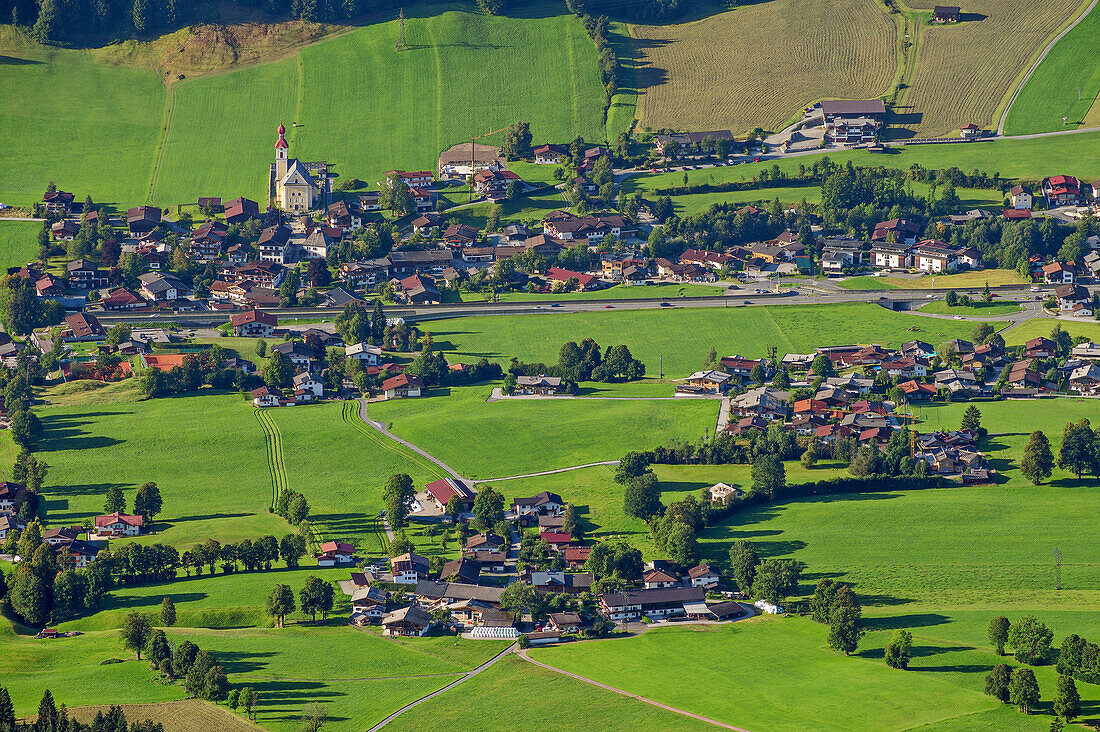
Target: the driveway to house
pixel 466 677
pixel 547 472
pixel 659 705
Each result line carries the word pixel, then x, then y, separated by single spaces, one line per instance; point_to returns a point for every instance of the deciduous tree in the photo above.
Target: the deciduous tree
pixel 997 681
pixel 1037 463
pixel 136 631
pixel 280 603
pixel 1030 640
pixel 899 650
pixel 1023 690
pixel 398 495
pixel 998 633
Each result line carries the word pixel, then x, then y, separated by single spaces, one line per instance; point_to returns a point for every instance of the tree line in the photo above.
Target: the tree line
pixel 54 718
pixel 582 361
pixel 1031 643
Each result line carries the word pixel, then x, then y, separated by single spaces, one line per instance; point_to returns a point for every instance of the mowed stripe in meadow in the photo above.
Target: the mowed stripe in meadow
pixel 758 65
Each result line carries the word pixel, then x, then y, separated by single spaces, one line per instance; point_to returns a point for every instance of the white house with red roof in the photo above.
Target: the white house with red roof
pixel 254 324
pixel 584 281
pixel 118 524
pixel 335 552
pixel 441 491
pixel 403 386
pixel 1062 190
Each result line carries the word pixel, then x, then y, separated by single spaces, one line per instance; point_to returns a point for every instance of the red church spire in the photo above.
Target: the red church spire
pixel 281 142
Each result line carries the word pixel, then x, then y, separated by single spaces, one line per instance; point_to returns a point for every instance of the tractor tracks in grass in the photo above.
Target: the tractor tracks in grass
pixel 275 465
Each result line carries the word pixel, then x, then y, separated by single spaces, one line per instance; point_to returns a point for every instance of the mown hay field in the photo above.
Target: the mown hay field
pixel 176 716
pixel 964 71
pixel 758 65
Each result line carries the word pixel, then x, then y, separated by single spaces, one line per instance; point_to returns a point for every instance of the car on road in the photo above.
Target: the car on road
pixel 665 305
pixel 756 159
pixel 654 170
pixel 1034 289
pixel 959 317
pixel 748 302
pixel 555 304
pixel 929 297
pixel 607 307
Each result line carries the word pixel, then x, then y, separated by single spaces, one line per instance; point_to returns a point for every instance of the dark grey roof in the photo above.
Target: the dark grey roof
pixel 450 591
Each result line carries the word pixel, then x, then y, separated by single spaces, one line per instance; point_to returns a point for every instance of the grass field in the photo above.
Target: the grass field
pixel 1035 327
pixel 715 73
pixel 218 129
pixel 550 701
pixel 683 336
pixel 479 439
pixel 616 292
pixel 18 242
pixel 944 92
pixel 939 307
pixel 1051 92
pixel 962 280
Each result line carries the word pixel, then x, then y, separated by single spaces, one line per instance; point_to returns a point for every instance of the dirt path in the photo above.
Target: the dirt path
pixel 1043 55
pixel 465 677
pixel 659 705
pixel 548 472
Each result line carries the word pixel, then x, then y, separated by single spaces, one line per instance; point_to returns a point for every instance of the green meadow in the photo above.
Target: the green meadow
pixel 1065 84
pixel 978 310
pixel 487 440
pixel 18 243
pixel 357 103
pixel 682 336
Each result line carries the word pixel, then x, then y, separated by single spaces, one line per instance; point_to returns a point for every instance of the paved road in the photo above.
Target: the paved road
pixel 1043 55
pixel 548 472
pixel 667 708
pixel 379 427
pixel 466 677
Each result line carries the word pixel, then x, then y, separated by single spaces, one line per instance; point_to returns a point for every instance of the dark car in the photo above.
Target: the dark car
pixel 665 305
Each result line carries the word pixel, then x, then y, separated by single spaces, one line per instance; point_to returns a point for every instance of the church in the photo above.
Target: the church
pixel 296 186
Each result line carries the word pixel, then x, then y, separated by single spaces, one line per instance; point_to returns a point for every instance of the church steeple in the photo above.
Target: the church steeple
pixel 281 147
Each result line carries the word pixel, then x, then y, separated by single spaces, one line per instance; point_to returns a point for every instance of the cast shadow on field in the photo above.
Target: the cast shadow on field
pixel 243 662
pixel 291 692
pixel 16 61
pixel 132 602
pixel 344 523
pixel 912 620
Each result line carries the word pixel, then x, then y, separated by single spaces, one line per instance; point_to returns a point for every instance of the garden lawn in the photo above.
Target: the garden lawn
pixel 977 310
pixel 865 282
pixel 545 700
pixel 486 440
pixel 772 663
pixel 18 241
pixel 682 336
pixel 1065 84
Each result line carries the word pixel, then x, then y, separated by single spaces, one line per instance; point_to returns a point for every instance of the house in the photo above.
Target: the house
pixel 411 178
pixel 158 287
pixel 406 262
pixel 461 571
pixel 10 494
pixel 1012 214
pixel 896 231
pixel 441 491
pixel 484 542
pixel 319 242
pixel 403 386
pixel 49 286
pixel 487 182
pixel 653 579
pixel 65 230
pixel 365 353
pixel 84 327
pixel 142 220
pixel 945 14
pixel 584 281
pixel 118 524
pixel 971 131
pixel 1057 273
pixel 561 582
pixel 931 255
pixel 366 273
pixel 1062 190
pixel 460 235
pixel 1088 351
pixel 708 382
pixel 274 245
pixel 409 568
pixel 58 203
pixel 409 621
pixel 305 382
pixel 704 575
pixel 852 121
pixel 368 604
pixel 916 391
pixel 721 492
pixel 887 255
pixel 1085 380
pixel 575 556
pixel 556 539
pixel 540 503
pixel 763 401
pixel 299 353
pixel 419 290
pixel 1070 295
pixel 566 622
pixel 345 215
pixel 1040 348
pixel 538 385
pixel 549 154
pixel 9 522
pixel 427 224
pixel 676 143
pixel 335 552
pixel 266 397
pixel 254 324
pixel 240 210
pixel 1020 197
pixel 81 552
pixel 656 603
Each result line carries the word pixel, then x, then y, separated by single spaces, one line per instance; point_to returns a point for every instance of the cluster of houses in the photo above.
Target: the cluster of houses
pixel 468 590
pixel 81 545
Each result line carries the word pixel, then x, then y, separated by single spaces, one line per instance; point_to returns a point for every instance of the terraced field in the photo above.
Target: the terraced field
pixel 759 64
pixel 964 71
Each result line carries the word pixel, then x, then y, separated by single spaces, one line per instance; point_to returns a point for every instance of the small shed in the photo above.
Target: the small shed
pixel 945 14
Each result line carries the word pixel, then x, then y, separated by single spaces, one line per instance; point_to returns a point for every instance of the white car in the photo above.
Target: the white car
pixel 959 317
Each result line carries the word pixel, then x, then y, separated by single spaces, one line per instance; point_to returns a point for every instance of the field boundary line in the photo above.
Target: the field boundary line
pixel 353 418
pixel 1042 55
pixel 169 106
pixel 547 472
pixel 273 442
pixel 374 429
pixel 465 677
pixel 659 705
